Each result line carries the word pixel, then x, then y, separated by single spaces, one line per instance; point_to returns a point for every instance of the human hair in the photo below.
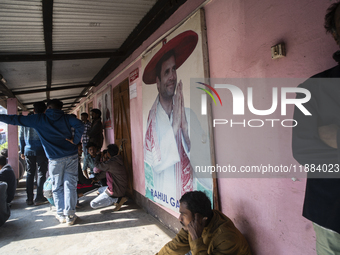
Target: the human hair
pixel 91 144
pixel 197 202
pixel 39 107
pixel 113 149
pixel 165 57
pixel 330 25
pixel 30 113
pixel 97 111
pixel 55 104
pixel 3 160
pixel 4 152
pixel 84 114
pixel 104 152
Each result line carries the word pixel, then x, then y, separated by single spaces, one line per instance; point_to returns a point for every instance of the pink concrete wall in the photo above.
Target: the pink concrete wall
pixel 136 125
pixel 13 149
pixel 267 211
pixel 136 105
pixel 240 34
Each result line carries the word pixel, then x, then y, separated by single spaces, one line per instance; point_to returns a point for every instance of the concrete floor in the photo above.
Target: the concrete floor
pixel 35 230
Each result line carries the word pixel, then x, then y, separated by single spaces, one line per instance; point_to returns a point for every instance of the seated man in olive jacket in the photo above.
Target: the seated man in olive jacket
pixel 205 231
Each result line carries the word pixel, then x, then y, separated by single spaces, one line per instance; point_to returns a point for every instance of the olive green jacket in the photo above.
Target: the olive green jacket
pixel 219 237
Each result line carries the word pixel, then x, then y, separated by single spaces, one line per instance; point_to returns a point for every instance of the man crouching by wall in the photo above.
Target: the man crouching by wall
pixel 205 231
pixel 114 171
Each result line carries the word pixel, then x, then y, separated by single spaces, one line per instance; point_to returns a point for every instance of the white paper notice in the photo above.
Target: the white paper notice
pixel 133 91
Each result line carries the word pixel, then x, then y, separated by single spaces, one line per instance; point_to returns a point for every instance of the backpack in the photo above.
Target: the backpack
pixel 47 190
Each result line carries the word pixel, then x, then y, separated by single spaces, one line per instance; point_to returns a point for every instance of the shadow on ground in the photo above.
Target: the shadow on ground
pixel 35 230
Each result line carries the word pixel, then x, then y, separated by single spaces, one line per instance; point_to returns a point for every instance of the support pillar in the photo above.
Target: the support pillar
pixel 13 141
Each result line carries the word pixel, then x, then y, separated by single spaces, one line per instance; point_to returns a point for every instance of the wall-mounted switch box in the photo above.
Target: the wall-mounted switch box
pixel 278 51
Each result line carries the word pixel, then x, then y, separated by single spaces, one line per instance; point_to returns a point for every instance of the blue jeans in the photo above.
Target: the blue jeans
pixel 103 200
pixel 64 173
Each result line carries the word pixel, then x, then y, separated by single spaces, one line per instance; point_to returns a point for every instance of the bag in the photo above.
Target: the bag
pixel 47 190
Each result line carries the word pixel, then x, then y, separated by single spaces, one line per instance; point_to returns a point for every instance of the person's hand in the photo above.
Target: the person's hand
pixel 94 180
pixel 22 156
pixel 86 174
pixel 328 134
pixel 196 226
pixel 70 140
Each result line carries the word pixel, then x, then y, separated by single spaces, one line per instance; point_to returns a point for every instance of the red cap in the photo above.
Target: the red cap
pixel 182 45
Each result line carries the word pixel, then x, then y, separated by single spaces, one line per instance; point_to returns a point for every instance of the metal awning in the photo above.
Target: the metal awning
pixel 60 48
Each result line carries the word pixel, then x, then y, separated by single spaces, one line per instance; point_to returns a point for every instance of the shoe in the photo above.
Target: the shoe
pixel 61 218
pixel 71 219
pixel 119 205
pixel 40 201
pixel 29 202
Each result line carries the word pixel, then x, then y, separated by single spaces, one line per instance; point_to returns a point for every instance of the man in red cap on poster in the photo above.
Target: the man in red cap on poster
pixel 167 141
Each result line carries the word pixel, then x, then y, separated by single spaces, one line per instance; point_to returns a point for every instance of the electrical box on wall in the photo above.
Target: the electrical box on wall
pixel 278 51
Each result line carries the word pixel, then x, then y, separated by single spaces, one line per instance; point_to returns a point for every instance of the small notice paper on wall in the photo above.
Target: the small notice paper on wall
pixel 133 90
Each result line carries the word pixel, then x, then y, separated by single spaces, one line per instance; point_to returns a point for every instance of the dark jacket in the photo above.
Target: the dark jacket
pixel 115 174
pixel 4 207
pixel 53 128
pixel 96 133
pixel 7 175
pixel 322 202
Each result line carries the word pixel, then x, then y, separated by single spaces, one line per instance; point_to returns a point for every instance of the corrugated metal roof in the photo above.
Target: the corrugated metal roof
pixel 21 28
pixel 76 71
pixel 22 75
pixel 85 25
pixel 46 44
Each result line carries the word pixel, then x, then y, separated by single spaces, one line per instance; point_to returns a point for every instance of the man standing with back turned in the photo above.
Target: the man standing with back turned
pixel 316 143
pixel 33 153
pixel 54 130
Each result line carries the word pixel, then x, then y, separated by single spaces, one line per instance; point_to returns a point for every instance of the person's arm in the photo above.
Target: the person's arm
pixel 78 129
pixel 178 245
pixel 20 120
pixel 102 166
pixel 328 134
pixel 99 174
pixel 307 146
pixel 226 242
